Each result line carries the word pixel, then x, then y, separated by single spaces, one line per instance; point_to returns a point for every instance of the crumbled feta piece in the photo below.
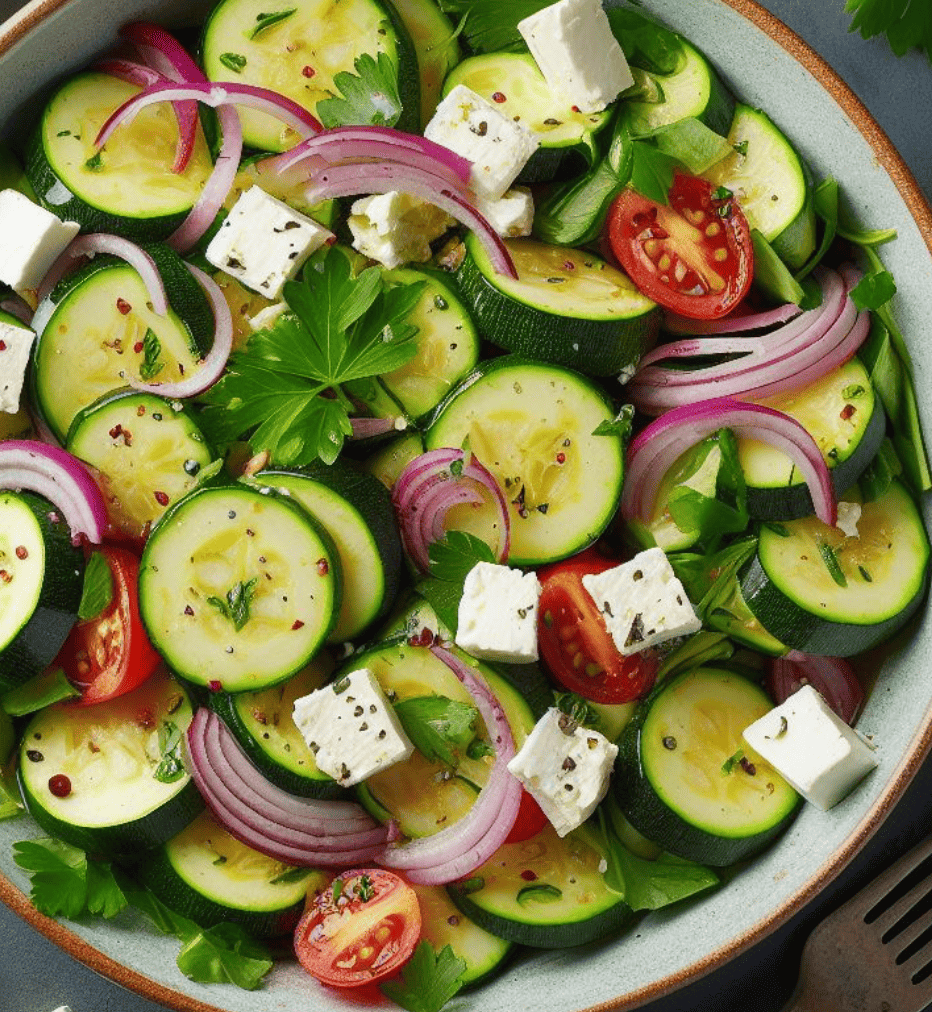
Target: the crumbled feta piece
pixel 565 768
pixel 849 513
pixel 642 602
pixel 396 228
pixel 497 618
pixel 15 348
pixel 512 214
pixel 812 748
pixel 497 146
pixel 351 728
pixel 263 242
pixel 32 240
pixel 577 53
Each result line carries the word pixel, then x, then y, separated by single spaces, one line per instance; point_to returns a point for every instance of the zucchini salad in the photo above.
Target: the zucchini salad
pixel 455 461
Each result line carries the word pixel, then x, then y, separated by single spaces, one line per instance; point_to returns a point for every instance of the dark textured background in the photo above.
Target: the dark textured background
pixel 37 977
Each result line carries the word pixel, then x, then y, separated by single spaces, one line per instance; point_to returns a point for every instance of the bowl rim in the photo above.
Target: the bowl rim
pixel 33 14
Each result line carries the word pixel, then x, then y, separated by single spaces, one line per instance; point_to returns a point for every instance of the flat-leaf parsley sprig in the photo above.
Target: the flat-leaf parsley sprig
pixel 906 23
pixel 282 392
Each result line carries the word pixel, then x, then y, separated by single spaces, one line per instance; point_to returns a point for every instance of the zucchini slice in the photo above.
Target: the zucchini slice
pixel 822 592
pixel 41 575
pixel 514 83
pixel 97 327
pixel 546 892
pixel 263 724
pixel 357 513
pixel 206 874
pixel 299 50
pixel 389 461
pixel 532 425
pixel 148 452
pixel 770 182
pixel 678 778
pixel 566 306
pixel 127 187
pixel 846 419
pixel 425 795
pixel 238 589
pixel 127 787
pixel 434 38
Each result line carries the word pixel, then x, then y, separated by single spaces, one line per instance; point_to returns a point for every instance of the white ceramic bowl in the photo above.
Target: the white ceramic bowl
pixel 767 66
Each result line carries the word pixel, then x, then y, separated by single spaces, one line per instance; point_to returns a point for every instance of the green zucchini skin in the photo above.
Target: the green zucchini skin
pixel 652 816
pixel 35 644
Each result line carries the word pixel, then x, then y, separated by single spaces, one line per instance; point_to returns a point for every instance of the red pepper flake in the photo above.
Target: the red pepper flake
pixel 22 552
pixel 847 411
pixel 323 567
pixel 145 718
pixel 529 876
pixel 561 458
pixel 2 345
pixel 137 347
pixel 308 71
pixel 575 108
pixel 123 306
pixel 141 410
pixel 116 431
pixel 214 685
pixel 498 97
pixel 5 576
pixel 424 638
pixel 60 785
pixel 298 624
pixel 568 265
pixel 188 610
pixel 161 498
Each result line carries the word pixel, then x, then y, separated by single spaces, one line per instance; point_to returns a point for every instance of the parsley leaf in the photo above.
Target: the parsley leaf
pixel 151 352
pixel 490 26
pixel 65 883
pixel 97 592
pixel 652 171
pixel 171 767
pixel 284 389
pixel 10 804
pixel 874 290
pixel 50 686
pixel 452 558
pixel 264 21
pixel 578 709
pixel 437 725
pixel 370 96
pixel 236 606
pixel 428 981
pixel 906 24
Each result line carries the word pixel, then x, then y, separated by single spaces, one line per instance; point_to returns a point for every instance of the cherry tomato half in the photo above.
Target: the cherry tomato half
pixel 574 642
pixel 361 929
pixel 693 256
pixel 110 654
pixel 529 822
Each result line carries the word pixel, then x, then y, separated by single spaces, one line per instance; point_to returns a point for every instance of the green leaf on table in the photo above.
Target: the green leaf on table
pixel 905 24
pixel 441 729
pixel 368 97
pixel 428 981
pixel 97 592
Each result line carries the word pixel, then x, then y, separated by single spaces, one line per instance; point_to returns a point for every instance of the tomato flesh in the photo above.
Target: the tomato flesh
pixel 529 822
pixel 361 929
pixel 110 654
pixel 693 255
pixel 576 645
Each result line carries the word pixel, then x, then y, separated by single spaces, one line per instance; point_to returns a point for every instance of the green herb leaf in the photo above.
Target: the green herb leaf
pixel 428 981
pixel 97 592
pixel 235 607
pixel 621 425
pixel 264 21
pixel 63 885
pixel 291 875
pixel 874 290
pixel 439 728
pixel 444 597
pixel 452 558
pixel 577 709
pixel 652 172
pixel 10 805
pixel 95 162
pixel 732 761
pixel 233 61
pixel 171 766
pixel 905 24
pixel 370 96
pixel 646 44
pixel 151 352
pixel 488 26
pixel 50 686
pixel 830 558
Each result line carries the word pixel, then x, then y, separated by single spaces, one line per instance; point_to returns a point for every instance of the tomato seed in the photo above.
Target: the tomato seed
pixel 578 661
pixel 60 785
pixel 593 670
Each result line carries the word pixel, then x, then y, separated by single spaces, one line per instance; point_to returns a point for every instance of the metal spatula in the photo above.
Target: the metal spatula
pixel 874 954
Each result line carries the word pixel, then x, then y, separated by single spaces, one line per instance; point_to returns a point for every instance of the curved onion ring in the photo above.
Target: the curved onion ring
pixel 464 846
pixel 653 451
pixel 732 324
pixel 832 677
pixel 59 477
pixel 428 488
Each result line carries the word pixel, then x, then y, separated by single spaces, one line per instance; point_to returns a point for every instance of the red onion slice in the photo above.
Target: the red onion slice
pixel 17 306
pixel 653 451
pixel 366 178
pixel 832 677
pixel 162 51
pixel 101 242
pixel 472 840
pixel 677 324
pixel 429 487
pixel 59 477
pixel 211 368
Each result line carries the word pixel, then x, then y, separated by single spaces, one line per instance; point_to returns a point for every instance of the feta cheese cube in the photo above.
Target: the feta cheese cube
pixel 811 747
pixel 512 214
pixel 577 53
pixel 642 602
pixel 497 146
pixel 396 228
pixel 497 619
pixel 263 242
pixel 15 347
pixel 849 514
pixel 32 240
pixel 565 768
pixel 351 728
